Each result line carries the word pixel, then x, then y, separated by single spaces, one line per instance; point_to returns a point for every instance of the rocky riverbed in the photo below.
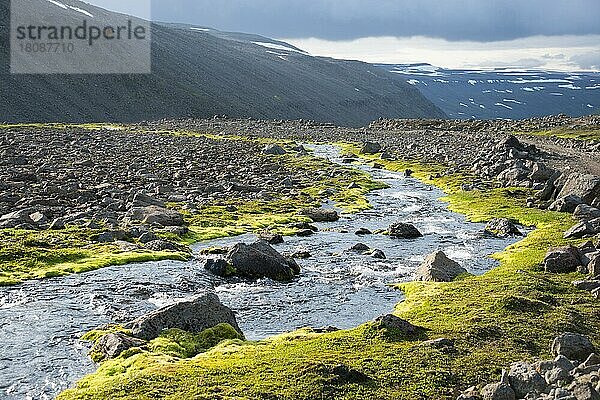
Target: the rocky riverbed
pixel 97 195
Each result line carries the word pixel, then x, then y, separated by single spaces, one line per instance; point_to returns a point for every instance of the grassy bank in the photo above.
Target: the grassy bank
pixel 567 133
pixel 509 314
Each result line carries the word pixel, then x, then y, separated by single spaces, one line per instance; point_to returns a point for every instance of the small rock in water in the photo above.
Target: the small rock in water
pixel 301 255
pixel 408 173
pixel 363 231
pixel 271 238
pixel 305 232
pixel 360 247
pixel 403 230
pixel 378 254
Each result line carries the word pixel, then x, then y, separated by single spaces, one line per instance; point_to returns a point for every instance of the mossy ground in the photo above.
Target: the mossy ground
pixel 567 133
pixel 28 255
pixel 508 314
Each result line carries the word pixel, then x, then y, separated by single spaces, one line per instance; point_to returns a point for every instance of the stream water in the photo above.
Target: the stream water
pixel 40 322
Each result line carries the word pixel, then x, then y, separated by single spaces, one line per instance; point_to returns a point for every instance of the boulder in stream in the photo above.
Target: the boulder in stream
pixel 256 260
pixel 321 214
pixel 401 230
pixel 203 312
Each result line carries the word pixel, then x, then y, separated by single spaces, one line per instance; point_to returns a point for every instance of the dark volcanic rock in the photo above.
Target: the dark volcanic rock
pixel 403 230
pixel 321 214
pixel 203 312
pixel 112 345
pixel 370 148
pixel 583 212
pixel 271 238
pixel 561 260
pixel 502 227
pixel 585 186
pixel 584 229
pixel 390 321
pixel 259 260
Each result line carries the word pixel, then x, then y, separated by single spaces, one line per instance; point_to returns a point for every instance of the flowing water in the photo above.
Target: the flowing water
pixel 40 322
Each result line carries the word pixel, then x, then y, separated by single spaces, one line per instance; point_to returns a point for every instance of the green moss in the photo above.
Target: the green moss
pixel 94 335
pixel 567 133
pixel 45 254
pixel 182 344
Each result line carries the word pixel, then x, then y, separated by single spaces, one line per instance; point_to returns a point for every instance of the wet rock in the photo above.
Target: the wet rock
pixel 360 248
pixel 260 260
pixel 573 346
pixel 524 379
pixel 301 255
pixel 390 321
pixel 437 267
pixel 401 230
pixel 321 214
pixel 362 232
pixel 370 148
pixel 583 212
pixel 219 267
pixel 203 312
pixel 271 238
pixel 562 260
pixel 502 227
pixel 378 254
pixel 155 215
pixel 408 173
pixel 274 149
pixel 305 232
pixel 112 345
pixel 583 229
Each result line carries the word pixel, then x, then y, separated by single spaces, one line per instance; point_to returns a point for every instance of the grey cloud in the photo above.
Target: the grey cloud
pixel 587 61
pixel 476 20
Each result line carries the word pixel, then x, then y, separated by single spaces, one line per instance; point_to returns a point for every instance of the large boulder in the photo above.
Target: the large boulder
pixel 203 312
pixel 562 260
pixel 573 346
pixel 437 267
pixel 585 186
pixel 401 230
pixel 321 214
pixel 112 345
pixel 370 148
pixel 260 260
pixel 584 229
pixel 502 227
pixel 524 379
pixel 155 215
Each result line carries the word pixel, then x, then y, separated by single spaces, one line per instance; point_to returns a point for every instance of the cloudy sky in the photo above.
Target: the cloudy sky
pixel 557 34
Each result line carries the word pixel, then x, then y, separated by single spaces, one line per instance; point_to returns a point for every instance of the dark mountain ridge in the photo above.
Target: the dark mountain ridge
pixel 200 73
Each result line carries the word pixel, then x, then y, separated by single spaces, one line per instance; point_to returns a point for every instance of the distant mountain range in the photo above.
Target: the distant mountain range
pixel 201 72
pixel 503 93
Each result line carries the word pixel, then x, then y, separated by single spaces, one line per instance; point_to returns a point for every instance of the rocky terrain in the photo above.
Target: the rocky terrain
pixel 152 185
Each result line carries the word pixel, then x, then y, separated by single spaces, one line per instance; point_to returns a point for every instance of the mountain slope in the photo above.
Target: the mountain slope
pixel 490 94
pixel 201 73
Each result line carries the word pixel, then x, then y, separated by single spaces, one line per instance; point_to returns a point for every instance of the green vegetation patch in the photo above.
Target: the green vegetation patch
pixel 509 314
pixel 567 133
pixel 28 255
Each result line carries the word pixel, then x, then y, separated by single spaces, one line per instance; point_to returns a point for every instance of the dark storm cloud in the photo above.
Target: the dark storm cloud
pixel 478 20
